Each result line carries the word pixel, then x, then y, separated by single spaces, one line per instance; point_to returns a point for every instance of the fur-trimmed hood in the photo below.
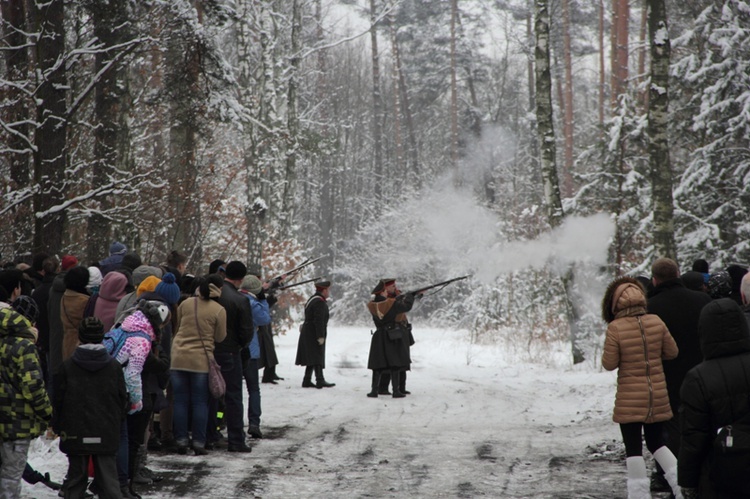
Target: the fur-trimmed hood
pixel 624 296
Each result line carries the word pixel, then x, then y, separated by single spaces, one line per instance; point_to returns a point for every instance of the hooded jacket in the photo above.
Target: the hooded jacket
pixel 716 392
pixel 111 292
pixel 25 408
pixel 90 402
pixel 635 344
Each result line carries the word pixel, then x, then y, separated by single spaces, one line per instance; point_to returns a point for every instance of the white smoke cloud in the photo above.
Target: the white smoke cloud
pixel 452 229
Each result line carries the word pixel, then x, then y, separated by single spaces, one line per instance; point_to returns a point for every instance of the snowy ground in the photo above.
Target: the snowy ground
pixel 479 423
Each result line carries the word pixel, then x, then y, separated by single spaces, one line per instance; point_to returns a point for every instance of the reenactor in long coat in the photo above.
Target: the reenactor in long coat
pixel 311 349
pixel 389 347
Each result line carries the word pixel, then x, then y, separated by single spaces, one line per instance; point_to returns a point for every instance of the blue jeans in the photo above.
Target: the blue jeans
pixel 231 369
pixel 253 392
pixel 190 395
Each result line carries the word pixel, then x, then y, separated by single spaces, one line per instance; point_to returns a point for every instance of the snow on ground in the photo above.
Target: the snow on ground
pixel 479 423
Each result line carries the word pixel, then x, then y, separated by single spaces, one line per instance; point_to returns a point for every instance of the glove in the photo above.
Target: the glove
pixel 689 493
pixel 321 341
pixel 136 407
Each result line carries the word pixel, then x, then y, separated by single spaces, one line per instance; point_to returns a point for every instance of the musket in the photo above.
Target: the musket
pixel 440 285
pixel 276 281
pixel 314 279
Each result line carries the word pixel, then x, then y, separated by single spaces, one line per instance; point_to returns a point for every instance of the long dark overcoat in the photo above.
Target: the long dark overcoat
pixel 309 352
pixel 388 314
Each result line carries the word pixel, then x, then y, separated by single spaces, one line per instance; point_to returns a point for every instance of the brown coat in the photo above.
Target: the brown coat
pixel 635 344
pixel 72 306
pixel 187 348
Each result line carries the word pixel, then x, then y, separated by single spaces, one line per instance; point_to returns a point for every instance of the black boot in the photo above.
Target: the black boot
pixel 385 380
pixel 402 384
pixel 375 384
pixel 395 376
pixel 307 380
pixel 320 381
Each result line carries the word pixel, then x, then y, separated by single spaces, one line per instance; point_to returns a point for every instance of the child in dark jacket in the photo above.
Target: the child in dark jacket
pixel 91 403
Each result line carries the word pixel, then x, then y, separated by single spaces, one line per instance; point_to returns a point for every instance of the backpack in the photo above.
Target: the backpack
pixel 115 339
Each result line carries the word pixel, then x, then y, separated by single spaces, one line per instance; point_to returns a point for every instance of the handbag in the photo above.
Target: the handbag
pixel 216 384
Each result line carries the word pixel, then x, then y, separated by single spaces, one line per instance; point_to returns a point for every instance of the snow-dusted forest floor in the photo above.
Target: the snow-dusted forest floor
pixel 478 423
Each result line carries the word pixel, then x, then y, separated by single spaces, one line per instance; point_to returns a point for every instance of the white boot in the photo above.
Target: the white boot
pixel 668 463
pixel 639 486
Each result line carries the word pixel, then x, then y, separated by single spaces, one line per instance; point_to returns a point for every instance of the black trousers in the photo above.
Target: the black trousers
pixel 631 436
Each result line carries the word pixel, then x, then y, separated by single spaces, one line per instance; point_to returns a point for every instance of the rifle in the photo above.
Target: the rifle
pixel 440 285
pixel 276 281
pixel 314 279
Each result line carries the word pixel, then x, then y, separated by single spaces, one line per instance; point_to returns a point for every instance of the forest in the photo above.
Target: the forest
pixel 415 138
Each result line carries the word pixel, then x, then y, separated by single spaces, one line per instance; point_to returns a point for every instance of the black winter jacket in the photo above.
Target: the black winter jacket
pixel 680 309
pixel 715 393
pixel 239 320
pixel 91 402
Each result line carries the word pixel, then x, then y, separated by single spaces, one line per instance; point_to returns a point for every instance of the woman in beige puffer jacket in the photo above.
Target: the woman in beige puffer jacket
pixel 635 344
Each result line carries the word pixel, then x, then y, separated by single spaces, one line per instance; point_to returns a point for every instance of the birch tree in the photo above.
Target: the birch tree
pixel 658 121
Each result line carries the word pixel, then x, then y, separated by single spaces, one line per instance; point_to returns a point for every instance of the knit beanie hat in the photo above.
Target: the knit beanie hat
pixel 236 270
pixel 91 330
pixel 77 279
pixel 252 284
pixel 26 306
pixel 143 271
pixel 148 285
pixel 117 248
pixel 168 289
pixel 68 261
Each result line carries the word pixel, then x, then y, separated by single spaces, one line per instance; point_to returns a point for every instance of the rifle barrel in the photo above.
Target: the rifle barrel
pixel 444 283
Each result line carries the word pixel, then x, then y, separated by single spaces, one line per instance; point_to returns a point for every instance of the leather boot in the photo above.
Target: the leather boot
pixel 402 383
pixel 320 381
pixel 395 376
pixel 375 384
pixel 385 380
pixel 307 380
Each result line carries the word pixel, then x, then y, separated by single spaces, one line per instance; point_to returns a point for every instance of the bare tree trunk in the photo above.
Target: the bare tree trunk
pixel 620 27
pixel 454 88
pixel 377 103
pixel 530 63
pixel 15 116
pixel 111 29
pixel 602 68
pixel 286 217
pixel 50 158
pixel 545 123
pixel 398 139
pixel 184 200
pixel 643 49
pixel 413 148
pixel 568 130
pixel 546 133
pixel 658 121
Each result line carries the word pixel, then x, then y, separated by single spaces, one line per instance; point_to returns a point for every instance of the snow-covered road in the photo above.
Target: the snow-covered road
pixel 478 423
